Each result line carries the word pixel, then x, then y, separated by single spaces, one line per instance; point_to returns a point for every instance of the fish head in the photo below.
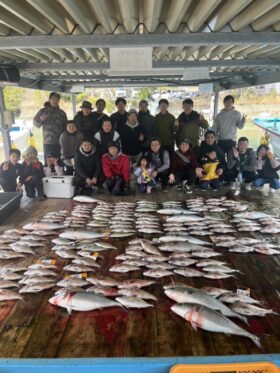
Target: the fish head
pixel 183 309
pixel 60 299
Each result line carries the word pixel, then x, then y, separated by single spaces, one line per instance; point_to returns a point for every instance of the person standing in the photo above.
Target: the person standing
pixel 165 126
pixel 98 115
pixel 119 118
pixel 86 122
pixel 226 124
pixel 147 121
pixel 189 124
pixel 53 121
pixel 132 137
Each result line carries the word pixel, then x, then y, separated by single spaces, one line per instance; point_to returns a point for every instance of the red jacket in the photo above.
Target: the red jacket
pixel 116 167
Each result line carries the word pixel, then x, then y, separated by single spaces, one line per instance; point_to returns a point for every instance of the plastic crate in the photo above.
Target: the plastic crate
pixel 258 367
pixel 9 203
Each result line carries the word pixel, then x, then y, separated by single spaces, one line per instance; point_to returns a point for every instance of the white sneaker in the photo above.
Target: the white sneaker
pixel 149 189
pixel 232 185
pixel 272 190
pixel 187 189
pixel 248 186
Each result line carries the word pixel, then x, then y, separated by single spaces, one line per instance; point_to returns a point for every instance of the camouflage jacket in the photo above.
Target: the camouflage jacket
pixel 53 126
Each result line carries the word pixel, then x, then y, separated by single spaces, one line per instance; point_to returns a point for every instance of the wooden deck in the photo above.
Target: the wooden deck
pixel 36 329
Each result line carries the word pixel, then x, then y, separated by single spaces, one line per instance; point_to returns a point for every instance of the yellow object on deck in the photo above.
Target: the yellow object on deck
pixel 265 139
pixel 260 367
pixel 31 140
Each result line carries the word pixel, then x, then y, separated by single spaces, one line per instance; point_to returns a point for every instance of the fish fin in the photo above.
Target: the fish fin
pixel 244 319
pixel 69 310
pixel 194 325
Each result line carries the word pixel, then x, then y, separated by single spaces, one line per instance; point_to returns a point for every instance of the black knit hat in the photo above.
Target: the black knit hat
pixel 114 144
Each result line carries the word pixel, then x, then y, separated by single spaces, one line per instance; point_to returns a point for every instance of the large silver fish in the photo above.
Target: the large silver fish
pixel 247 309
pixel 193 295
pixel 43 226
pixel 81 235
pixel 133 302
pixel 210 320
pixel 36 288
pixel 252 215
pixel 82 301
pixel 86 199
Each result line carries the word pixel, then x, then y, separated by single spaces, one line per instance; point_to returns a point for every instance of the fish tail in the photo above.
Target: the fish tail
pixel 256 340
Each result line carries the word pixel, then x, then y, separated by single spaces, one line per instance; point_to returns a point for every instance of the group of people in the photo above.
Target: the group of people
pixel 96 148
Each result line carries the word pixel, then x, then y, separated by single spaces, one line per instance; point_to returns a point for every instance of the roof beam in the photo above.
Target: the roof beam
pixel 145 40
pixel 88 66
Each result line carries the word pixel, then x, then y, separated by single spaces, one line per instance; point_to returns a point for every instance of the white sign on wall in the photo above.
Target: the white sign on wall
pixel 131 59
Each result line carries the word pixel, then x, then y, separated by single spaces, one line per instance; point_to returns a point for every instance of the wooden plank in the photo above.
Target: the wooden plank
pixel 38 329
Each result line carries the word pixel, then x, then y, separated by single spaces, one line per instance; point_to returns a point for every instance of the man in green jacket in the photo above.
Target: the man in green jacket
pixel 53 121
pixel 189 124
pixel 165 126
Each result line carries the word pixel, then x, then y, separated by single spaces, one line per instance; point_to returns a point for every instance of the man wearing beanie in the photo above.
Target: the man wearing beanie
pixel 116 169
pixel 86 121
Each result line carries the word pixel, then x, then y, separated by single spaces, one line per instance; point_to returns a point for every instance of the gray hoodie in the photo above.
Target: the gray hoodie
pixel 226 124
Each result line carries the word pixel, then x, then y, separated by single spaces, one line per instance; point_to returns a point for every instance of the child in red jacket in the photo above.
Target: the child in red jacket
pixel 116 168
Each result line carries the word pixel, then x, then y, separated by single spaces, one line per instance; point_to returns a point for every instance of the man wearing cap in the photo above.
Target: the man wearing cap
pixel 53 121
pixel 119 118
pixel 116 169
pixel 147 121
pixel 132 137
pixel 86 122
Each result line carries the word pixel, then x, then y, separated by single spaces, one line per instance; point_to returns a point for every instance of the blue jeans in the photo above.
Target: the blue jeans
pixel 273 183
pixel 214 184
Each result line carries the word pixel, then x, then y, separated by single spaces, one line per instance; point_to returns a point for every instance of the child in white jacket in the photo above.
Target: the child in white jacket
pixel 145 181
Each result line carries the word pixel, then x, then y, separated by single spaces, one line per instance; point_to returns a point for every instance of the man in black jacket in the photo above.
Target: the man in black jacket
pixel 86 121
pixel 147 121
pixel 87 168
pixel 99 116
pixel 132 137
pixel 120 116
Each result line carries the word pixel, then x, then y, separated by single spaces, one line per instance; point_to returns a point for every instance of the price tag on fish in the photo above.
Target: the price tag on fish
pixel 243 291
pixel 46 261
pixel 77 275
pixel 95 255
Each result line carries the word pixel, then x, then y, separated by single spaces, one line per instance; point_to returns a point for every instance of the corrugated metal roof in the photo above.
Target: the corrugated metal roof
pixel 26 18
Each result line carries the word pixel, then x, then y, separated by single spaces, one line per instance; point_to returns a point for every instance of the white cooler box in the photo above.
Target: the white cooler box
pixel 58 186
